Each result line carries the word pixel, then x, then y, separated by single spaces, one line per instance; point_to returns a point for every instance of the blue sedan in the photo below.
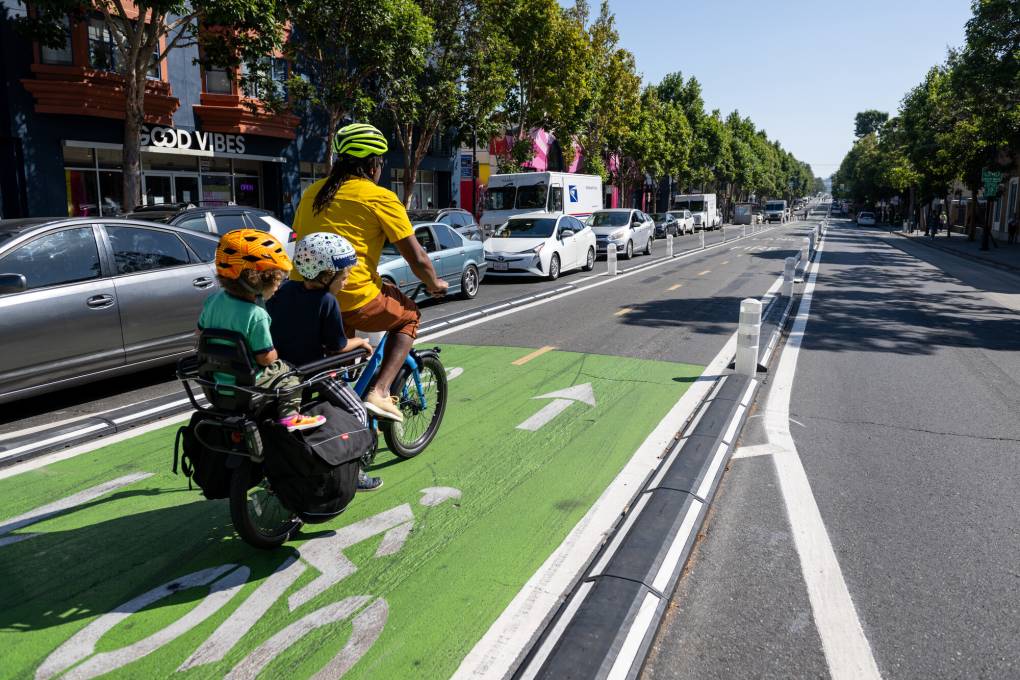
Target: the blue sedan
pixel 457 259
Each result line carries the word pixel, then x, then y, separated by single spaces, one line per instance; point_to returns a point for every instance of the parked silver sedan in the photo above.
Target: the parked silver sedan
pixel 87 298
pixel 458 259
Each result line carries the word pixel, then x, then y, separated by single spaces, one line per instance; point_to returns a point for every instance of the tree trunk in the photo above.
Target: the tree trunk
pixel 134 117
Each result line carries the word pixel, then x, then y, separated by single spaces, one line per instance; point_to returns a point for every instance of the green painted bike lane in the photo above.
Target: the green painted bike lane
pixel 402 585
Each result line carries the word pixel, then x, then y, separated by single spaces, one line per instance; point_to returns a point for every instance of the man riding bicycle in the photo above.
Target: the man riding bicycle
pixel 350 203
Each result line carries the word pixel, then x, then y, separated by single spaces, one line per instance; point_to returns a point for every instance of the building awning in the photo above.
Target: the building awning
pixel 177 151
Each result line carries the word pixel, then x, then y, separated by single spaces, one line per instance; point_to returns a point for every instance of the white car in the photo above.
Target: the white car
pixel 866 219
pixel 624 229
pixel 540 244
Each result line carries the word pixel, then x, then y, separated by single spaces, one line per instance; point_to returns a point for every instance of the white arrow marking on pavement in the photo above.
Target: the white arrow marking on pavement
pixel 561 400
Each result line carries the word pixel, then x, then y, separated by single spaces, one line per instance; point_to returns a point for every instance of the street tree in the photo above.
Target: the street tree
pixel 869 121
pixel 143 34
pixel 548 56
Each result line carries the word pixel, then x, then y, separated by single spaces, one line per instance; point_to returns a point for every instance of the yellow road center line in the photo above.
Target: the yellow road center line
pixel 707 271
pixel 675 286
pixel 625 310
pixel 537 353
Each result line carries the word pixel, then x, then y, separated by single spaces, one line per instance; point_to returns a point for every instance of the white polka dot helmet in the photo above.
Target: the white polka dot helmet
pixel 323 251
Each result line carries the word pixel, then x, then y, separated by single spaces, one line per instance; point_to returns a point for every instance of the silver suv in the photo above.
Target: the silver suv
pixel 624 229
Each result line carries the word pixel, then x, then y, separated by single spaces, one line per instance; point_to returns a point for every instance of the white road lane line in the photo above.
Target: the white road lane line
pixel 846 648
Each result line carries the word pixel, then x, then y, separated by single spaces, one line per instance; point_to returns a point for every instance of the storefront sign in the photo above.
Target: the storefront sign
pixel 172 138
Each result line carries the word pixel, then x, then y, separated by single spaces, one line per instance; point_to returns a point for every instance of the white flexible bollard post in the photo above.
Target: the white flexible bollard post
pixel 611 259
pixel 702 232
pixel 817 233
pixel 748 333
pixel 669 245
pixel 789 273
pixel 805 254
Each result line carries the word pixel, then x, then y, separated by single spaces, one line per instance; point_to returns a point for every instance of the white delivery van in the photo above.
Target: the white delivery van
pixel 703 207
pixel 776 211
pixel 530 192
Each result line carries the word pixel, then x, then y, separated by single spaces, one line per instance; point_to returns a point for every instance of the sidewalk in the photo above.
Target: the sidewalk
pixel 1005 256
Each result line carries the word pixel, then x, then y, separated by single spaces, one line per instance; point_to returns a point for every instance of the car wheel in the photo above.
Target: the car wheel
pixel 648 246
pixel 629 253
pixel 554 267
pixel 589 264
pixel 469 283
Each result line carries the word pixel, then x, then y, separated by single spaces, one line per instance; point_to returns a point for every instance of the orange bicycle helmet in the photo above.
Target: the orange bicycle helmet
pixel 249 249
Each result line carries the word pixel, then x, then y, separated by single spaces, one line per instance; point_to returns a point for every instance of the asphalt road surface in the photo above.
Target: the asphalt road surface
pixel 465 527
pixel 905 414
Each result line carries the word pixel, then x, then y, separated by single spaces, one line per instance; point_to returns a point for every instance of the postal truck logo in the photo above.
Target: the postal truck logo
pixel 572 191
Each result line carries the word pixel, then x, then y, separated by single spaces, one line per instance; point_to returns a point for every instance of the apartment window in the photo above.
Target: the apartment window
pixel 217 81
pixel 276 69
pixel 103 52
pixel 59 55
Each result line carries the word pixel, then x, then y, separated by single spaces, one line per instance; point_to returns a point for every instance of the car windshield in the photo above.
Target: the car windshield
pixel 660 217
pixel 530 197
pixel 867 215
pixel 693 206
pixel 610 219
pixel 500 198
pixel 535 227
pixel 774 206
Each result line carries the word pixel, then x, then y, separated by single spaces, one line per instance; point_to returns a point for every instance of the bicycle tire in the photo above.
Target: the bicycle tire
pixel 247 527
pixel 396 434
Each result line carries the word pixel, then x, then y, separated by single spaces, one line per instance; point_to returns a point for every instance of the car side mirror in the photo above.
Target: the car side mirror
pixel 12 283
pixel 566 233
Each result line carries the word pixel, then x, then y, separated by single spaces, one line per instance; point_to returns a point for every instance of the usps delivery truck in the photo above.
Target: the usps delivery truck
pixel 529 192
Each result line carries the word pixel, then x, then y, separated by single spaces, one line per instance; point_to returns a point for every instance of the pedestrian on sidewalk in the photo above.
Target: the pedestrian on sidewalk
pixel 1012 229
pixel 944 220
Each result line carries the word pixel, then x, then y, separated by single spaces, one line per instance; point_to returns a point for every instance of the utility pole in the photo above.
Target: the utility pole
pixel 474 172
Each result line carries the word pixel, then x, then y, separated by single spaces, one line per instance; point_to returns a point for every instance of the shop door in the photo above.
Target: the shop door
pixel 157 188
pixel 186 189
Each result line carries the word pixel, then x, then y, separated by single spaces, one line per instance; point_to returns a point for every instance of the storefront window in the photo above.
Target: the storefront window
pixel 112 159
pixel 168 161
pixel 75 156
pixel 82 196
pixel 111 193
pixel 312 172
pixel 214 164
pixel 246 191
pixel 216 190
pixel 59 55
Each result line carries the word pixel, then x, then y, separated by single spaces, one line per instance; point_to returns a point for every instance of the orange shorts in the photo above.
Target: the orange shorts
pixel 391 310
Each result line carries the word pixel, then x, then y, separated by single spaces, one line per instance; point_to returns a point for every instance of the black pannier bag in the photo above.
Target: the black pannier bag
pixel 315 472
pixel 203 466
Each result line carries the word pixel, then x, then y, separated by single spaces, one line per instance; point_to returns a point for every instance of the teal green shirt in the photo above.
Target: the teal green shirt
pixel 229 313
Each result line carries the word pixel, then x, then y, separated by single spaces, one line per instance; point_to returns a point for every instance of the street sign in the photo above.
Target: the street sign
pixel 991 180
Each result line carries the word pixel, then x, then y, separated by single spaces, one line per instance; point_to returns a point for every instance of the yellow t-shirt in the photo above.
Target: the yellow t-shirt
pixel 365 214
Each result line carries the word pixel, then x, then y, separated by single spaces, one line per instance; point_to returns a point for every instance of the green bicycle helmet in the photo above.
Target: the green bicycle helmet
pixel 359 140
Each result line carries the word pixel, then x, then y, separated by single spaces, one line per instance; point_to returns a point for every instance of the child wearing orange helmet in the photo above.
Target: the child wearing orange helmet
pixel 250 266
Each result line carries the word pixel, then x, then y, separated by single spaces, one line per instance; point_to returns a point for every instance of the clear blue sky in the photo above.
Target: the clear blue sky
pixel 801 70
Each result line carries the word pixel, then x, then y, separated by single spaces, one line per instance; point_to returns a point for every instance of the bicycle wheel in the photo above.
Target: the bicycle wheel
pixel 420 425
pixel 258 516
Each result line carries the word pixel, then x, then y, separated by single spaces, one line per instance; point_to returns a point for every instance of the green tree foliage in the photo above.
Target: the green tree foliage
pixel 548 53
pixel 143 34
pixel 869 121
pixel 610 106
